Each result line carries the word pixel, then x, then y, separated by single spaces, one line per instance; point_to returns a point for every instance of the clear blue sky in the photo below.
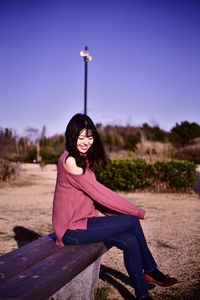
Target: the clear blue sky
pixel 145 67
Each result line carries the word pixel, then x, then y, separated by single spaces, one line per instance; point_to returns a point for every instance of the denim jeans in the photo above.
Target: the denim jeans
pixel 124 232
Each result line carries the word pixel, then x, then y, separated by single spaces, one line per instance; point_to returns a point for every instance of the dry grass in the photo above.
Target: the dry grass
pixel 172 228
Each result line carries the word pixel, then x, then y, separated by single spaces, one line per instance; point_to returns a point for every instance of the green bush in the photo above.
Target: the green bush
pixel 137 175
pixel 177 175
pixel 125 175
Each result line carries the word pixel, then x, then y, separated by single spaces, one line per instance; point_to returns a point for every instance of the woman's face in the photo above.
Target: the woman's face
pixel 85 141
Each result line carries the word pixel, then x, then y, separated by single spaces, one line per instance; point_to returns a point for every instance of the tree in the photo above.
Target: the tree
pixel 155 133
pixel 182 133
pixel 8 144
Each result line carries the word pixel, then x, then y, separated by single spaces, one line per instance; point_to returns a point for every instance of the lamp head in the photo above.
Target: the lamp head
pixel 85 54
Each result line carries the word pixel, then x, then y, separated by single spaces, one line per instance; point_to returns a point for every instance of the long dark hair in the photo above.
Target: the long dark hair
pixel 96 154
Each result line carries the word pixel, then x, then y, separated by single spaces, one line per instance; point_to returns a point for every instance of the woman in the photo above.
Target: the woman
pixel 79 197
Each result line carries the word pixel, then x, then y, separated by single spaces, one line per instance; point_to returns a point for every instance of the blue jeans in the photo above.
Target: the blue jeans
pixel 124 232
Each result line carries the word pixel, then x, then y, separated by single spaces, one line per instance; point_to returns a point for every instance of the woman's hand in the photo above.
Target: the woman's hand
pixel 59 244
pixel 141 213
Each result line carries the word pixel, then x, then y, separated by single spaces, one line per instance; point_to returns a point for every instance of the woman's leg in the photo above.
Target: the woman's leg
pixel 128 242
pixel 125 233
pixel 135 227
pixel 101 228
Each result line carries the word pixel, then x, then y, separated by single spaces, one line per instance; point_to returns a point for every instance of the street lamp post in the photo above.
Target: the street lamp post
pixel 86 57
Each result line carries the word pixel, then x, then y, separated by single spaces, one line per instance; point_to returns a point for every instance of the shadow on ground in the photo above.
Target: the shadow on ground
pixel 24 236
pixel 112 276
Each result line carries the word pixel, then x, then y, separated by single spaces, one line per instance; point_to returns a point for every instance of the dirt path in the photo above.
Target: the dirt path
pixel 172 228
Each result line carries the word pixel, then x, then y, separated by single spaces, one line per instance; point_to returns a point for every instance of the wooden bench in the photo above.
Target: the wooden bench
pixel 39 269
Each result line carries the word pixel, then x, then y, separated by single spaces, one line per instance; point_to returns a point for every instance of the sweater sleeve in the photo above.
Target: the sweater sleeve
pixel 103 195
pixel 105 210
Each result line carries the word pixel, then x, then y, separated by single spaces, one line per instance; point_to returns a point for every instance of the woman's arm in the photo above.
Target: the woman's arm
pixel 98 192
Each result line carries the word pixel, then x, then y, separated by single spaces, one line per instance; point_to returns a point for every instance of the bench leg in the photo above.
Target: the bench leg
pixel 82 286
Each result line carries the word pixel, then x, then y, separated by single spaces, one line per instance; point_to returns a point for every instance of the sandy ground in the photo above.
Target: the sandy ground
pixel 172 229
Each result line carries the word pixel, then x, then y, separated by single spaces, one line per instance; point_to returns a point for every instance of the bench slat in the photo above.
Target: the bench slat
pixel 22 258
pixel 44 278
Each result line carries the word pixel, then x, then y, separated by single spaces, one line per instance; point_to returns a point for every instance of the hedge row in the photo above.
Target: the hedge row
pixel 137 175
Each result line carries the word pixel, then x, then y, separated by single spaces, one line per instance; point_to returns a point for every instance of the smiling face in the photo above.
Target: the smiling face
pixel 85 141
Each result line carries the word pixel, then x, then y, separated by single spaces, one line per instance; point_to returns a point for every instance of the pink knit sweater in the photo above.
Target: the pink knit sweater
pixel 75 199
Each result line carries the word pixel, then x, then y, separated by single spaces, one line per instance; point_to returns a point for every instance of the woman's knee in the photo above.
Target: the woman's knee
pixel 126 241
pixel 131 220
